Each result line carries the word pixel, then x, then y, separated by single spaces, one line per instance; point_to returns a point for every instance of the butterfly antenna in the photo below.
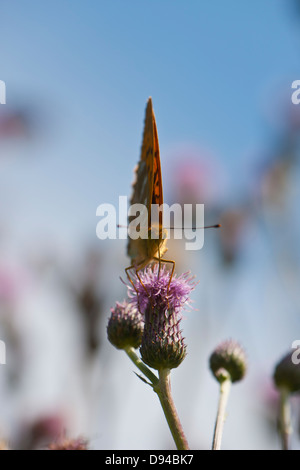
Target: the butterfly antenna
pixel 195 228
pixel 181 228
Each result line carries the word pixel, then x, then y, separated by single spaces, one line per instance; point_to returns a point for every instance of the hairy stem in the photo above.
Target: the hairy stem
pixel 163 391
pixel 221 415
pixel 162 388
pixel 284 418
pixel 130 351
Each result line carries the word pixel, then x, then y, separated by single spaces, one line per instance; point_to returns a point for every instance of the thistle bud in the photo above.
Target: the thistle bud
pixel 228 361
pixel 125 326
pixel 287 374
pixel 162 344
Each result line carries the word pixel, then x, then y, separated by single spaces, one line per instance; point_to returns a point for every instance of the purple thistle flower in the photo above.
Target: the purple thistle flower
pixel 155 289
pixel 162 342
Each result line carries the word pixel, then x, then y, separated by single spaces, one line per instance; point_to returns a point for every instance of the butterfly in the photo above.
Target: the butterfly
pixel 148 190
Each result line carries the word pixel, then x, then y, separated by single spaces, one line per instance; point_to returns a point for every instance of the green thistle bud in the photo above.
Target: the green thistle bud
pixel 162 344
pixel 287 374
pixel 125 326
pixel 228 361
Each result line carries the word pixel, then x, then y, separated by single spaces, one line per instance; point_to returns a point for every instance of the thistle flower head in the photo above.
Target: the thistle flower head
pixel 228 359
pixel 125 326
pixel 155 289
pixel 287 374
pixel 161 302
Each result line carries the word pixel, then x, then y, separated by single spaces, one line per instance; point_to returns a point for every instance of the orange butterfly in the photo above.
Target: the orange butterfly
pixel 147 190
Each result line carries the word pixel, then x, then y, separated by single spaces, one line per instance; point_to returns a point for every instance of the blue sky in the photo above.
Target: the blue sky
pixel 89 67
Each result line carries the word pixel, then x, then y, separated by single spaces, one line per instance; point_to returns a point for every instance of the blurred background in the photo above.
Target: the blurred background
pixel 78 75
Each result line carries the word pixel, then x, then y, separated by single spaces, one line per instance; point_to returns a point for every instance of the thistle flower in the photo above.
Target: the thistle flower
pixel 125 326
pixel 162 342
pixel 151 319
pixel 228 358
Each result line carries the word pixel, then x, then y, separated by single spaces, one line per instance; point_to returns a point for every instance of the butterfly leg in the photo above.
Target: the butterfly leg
pixel 160 260
pixel 149 296
pixel 140 280
pixel 131 282
pixel 129 278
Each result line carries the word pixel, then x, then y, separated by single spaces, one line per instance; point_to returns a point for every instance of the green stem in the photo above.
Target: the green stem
pixel 130 351
pixel 163 391
pixel 221 415
pixel 284 418
pixel 162 388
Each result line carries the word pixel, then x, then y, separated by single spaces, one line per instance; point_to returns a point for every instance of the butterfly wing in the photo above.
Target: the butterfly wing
pixel 157 189
pixel 147 187
pixel 143 183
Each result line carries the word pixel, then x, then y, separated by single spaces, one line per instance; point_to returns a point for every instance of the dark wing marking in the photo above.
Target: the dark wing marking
pixel 157 191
